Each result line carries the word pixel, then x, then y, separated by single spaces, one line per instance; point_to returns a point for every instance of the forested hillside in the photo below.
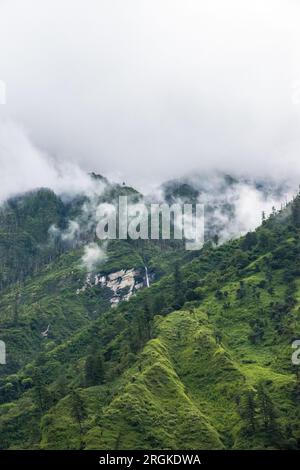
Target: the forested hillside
pixel 201 359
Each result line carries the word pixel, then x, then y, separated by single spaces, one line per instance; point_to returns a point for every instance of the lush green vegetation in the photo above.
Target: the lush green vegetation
pixel 200 360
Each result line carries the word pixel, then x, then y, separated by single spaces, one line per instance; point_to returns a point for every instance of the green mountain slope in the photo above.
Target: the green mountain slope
pixel 24 234
pixel 200 360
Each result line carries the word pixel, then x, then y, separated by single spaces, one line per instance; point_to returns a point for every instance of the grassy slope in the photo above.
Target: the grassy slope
pixel 181 393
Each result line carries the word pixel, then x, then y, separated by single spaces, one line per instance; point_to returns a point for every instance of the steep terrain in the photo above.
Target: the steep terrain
pixel 201 359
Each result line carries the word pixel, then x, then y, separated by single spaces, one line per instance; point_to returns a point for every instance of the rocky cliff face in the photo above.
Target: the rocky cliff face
pixel 123 283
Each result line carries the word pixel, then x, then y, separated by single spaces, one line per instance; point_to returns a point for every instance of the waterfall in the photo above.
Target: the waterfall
pixel 147 277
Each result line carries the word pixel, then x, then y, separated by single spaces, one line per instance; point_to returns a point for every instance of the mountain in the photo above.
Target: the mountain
pixel 200 359
pixel 232 204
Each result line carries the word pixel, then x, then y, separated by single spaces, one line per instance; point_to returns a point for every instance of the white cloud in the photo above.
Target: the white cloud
pixel 24 167
pixel 152 90
pixel 93 256
pixel 249 204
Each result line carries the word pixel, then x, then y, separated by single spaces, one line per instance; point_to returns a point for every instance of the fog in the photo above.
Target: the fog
pixel 93 256
pixel 146 91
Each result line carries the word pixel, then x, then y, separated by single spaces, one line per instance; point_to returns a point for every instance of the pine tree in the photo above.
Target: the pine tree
pixel 296 212
pixel 250 413
pixel 266 409
pixel 94 368
pixel 216 239
pixel 78 411
pixel 40 392
pixel 16 306
pixel 249 241
pixel 148 318
pixel 178 287
pixel 62 386
pixel 134 334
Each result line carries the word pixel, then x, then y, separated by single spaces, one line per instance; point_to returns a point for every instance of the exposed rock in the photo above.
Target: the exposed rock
pixel 123 284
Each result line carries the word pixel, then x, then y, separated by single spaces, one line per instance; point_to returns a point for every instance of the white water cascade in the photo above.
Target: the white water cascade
pixel 147 277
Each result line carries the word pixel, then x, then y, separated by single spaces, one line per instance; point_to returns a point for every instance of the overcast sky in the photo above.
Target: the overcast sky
pixel 145 90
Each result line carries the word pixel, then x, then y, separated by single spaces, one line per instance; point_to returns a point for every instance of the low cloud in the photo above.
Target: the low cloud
pixel 249 205
pixel 93 256
pixel 24 167
pixel 147 90
pixel 232 206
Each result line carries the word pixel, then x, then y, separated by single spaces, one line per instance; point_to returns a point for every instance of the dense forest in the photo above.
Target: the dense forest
pixel 201 359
